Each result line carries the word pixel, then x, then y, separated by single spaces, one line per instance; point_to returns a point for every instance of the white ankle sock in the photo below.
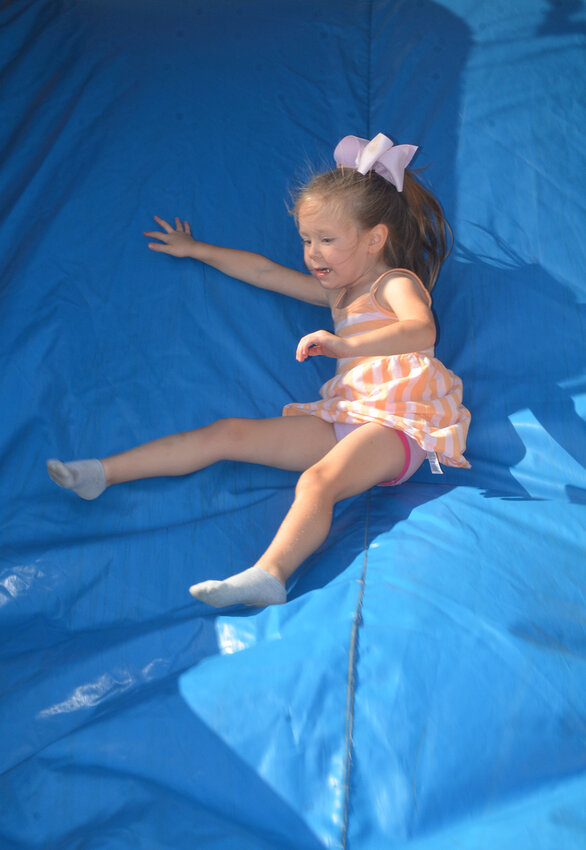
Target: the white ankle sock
pixel 85 477
pixel 253 586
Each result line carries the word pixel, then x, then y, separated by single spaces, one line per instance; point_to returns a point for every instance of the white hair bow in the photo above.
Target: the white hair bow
pixel 380 155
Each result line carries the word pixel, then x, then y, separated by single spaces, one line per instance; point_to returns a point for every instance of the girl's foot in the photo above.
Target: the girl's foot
pixel 85 477
pixel 251 587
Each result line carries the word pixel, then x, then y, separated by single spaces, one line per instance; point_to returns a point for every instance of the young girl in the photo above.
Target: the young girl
pixel 374 240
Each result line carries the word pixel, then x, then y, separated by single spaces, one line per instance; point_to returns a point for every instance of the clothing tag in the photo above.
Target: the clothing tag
pixel 434 463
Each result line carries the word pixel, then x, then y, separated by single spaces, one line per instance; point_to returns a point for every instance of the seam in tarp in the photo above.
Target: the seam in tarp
pixel 351 682
pixel 357 621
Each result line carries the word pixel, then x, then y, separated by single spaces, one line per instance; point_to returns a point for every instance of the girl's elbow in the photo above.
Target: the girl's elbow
pixel 428 335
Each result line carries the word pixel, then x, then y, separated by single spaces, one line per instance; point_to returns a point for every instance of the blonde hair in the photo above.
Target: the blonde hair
pixel 417 228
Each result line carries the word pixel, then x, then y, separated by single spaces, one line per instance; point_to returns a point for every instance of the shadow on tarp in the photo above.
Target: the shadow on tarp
pixel 180 780
pixel 521 380
pixel 560 18
pixel 507 328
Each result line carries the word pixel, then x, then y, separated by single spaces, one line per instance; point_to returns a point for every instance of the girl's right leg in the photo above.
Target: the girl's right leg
pixel 291 442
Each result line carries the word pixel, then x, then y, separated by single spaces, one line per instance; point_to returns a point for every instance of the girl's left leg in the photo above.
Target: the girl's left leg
pixel 365 457
pixel 286 442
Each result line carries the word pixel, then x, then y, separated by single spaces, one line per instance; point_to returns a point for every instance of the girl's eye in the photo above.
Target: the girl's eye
pixel 327 240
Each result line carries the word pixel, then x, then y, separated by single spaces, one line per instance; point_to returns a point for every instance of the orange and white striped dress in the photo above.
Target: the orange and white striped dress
pixel 414 393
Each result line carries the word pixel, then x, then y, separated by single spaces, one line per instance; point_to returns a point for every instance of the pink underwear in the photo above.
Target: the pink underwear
pixel 414 454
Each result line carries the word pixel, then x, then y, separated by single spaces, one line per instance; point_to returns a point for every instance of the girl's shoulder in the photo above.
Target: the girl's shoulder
pixel 397 283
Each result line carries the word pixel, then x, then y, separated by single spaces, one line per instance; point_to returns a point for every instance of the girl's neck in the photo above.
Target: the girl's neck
pixel 345 296
pixel 361 287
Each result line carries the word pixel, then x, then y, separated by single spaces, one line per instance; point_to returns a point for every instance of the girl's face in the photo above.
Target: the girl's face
pixel 336 250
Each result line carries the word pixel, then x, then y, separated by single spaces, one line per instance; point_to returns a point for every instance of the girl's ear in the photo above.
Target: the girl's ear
pixel 377 238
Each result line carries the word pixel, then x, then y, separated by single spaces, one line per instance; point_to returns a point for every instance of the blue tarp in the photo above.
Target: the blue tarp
pixel 424 686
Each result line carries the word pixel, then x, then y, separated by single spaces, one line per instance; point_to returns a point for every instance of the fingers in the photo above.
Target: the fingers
pixel 180 226
pixel 319 343
pixel 157 246
pixel 308 346
pixel 165 225
pixel 167 243
pixel 312 351
pixel 300 354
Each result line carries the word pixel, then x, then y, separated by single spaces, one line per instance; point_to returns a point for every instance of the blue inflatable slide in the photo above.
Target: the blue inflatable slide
pixel 424 687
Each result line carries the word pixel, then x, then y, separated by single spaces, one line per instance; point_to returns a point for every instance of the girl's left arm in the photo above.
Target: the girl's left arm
pixel 414 331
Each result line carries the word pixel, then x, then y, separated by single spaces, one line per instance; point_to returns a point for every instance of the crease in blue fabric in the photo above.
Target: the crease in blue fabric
pixel 351 684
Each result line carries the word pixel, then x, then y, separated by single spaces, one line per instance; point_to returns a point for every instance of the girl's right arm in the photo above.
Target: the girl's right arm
pixel 243 265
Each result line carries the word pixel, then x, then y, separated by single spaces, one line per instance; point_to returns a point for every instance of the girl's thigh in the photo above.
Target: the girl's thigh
pixel 365 457
pixel 285 442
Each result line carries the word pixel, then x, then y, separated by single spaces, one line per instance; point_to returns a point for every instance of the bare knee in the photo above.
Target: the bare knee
pixel 316 482
pixel 237 439
pixel 230 432
pixel 207 444
pixel 227 429
pixel 185 441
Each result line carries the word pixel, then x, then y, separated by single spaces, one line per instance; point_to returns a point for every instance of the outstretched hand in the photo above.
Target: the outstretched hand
pixel 176 241
pixel 321 343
